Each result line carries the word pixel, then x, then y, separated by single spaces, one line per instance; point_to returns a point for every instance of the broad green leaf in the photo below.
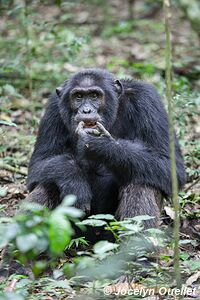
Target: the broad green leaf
pixel 92 222
pixel 60 232
pixel 12 230
pixel 31 206
pixel 104 246
pixel 38 267
pixel 68 200
pixel 194 264
pixel 11 296
pixel 26 242
pixel 133 227
pixel 102 216
pixel 9 89
pixel 42 244
pixel 154 231
pixel 34 221
pixel 7 233
pixel 142 218
pixel 61 284
pixel 84 262
pixel 71 212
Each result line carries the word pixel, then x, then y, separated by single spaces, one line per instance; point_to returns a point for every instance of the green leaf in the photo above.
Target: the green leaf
pixel 9 89
pixel 60 232
pixel 133 227
pixel 154 231
pixel 3 191
pixel 38 267
pixel 60 284
pixel 58 2
pixel 12 230
pixel 34 221
pixel 92 222
pixel 84 262
pixel 102 216
pixel 71 212
pixel 142 218
pixel 184 255
pixel 104 246
pixel 68 200
pixel 69 270
pixel 26 242
pixel 194 264
pixel 76 242
pixel 11 296
pixel 7 123
pixel 31 206
pixel 42 244
pixel 7 233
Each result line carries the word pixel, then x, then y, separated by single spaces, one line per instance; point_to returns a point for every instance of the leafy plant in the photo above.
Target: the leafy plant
pixel 39 231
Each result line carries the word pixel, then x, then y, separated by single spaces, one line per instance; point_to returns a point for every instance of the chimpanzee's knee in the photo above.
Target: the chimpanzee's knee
pixel 137 200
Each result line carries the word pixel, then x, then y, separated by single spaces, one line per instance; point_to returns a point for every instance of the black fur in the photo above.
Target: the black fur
pixel 98 168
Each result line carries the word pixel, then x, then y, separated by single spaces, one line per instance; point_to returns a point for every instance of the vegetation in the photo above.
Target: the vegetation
pixel 43 43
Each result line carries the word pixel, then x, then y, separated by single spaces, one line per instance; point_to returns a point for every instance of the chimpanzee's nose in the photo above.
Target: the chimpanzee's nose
pixel 87 110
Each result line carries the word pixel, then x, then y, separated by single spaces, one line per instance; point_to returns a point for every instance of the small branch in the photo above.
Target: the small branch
pixel 168 51
pixel 131 4
pixel 192 184
pixel 11 169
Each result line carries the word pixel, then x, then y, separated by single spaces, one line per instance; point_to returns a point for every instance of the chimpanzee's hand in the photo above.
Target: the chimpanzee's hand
pixel 90 139
pixel 82 132
pixel 97 131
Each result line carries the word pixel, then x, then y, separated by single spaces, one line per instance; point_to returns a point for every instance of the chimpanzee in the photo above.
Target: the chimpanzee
pixel 106 141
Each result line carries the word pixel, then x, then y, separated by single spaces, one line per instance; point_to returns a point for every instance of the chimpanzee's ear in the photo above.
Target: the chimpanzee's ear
pixel 119 87
pixel 59 91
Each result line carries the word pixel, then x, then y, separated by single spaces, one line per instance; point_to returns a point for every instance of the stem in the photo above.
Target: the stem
pixel 7 167
pixel 28 50
pixel 192 184
pixel 131 9
pixel 167 9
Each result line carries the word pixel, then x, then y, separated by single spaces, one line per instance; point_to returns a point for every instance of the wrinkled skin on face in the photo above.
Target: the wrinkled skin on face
pixel 84 97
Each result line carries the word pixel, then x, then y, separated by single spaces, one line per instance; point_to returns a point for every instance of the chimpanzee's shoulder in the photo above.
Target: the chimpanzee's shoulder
pixel 138 86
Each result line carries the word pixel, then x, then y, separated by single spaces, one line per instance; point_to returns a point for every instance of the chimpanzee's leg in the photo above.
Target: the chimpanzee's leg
pixel 45 194
pixel 139 200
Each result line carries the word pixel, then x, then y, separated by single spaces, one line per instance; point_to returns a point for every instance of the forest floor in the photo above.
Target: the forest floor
pixel 43 47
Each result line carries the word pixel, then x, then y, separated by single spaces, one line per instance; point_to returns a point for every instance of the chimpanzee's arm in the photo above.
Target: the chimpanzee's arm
pixel 135 162
pixel 142 156
pixel 51 161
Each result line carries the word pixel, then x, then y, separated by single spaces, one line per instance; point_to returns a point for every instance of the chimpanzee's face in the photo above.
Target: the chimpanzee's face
pixel 87 101
pixel 90 96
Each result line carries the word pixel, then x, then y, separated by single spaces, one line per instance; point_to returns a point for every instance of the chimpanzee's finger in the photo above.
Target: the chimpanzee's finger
pixel 79 129
pixel 103 130
pixel 93 131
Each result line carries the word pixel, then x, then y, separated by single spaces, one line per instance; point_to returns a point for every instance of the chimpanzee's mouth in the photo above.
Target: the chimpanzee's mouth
pixel 89 124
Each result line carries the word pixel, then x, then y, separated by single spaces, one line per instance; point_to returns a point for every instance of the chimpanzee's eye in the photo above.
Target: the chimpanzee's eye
pixel 94 95
pixel 79 95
